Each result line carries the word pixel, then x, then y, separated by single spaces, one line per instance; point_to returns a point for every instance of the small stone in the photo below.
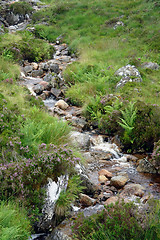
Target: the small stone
pixel 62 104
pixel 87 201
pixel 111 200
pixel 119 181
pixel 105 172
pixel 56 92
pixel 102 179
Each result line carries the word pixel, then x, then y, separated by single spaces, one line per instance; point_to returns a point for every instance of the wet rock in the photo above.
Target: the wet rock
pixel 119 181
pixel 81 140
pixel 62 232
pixel 102 179
pixel 129 74
pixel 105 195
pixel 44 66
pixel 38 89
pixel 48 77
pixel 54 68
pixel 96 140
pixel 61 104
pixel 132 189
pixel 37 73
pixel 28 69
pixel 146 166
pixel 144 199
pixel 78 122
pixel 45 85
pixel 58 111
pixel 105 173
pixel 111 200
pixel 150 65
pixel 131 158
pixel 86 200
pixel 56 92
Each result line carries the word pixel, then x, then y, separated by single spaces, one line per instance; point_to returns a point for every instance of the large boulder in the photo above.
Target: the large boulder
pixel 129 74
pixel 81 140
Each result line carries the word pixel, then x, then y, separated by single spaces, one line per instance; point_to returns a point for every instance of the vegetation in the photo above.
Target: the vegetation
pixel 14 223
pixel 102 48
pixel 32 143
pixel 121 220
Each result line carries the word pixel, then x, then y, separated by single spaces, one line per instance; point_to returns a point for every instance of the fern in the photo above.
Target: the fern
pixel 128 119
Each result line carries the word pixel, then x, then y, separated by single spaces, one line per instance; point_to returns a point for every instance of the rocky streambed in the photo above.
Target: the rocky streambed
pixel 108 174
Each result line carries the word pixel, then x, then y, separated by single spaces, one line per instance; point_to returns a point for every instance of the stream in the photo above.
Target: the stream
pixel 99 153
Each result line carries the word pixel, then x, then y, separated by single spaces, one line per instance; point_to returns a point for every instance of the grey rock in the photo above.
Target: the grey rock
pixel 129 74
pixel 56 92
pixel 28 69
pixel 146 166
pixel 37 73
pixel 150 65
pixel 54 68
pixel 78 122
pixel 44 66
pixel 81 140
pixel 118 24
pixel 48 77
pixel 38 89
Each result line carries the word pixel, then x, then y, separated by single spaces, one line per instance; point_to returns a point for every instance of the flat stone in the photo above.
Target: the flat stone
pixel 81 140
pixel 119 181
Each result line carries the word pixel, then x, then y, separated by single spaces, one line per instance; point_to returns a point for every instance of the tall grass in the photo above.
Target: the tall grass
pixel 14 223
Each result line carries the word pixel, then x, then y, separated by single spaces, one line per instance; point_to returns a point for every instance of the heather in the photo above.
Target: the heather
pixel 26 178
pixel 120 220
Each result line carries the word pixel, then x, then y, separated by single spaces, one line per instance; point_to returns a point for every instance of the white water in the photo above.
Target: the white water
pixel 53 191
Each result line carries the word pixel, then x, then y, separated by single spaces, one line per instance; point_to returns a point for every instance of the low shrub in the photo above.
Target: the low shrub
pixel 25 179
pixel 112 223
pixel 14 223
pixel 119 221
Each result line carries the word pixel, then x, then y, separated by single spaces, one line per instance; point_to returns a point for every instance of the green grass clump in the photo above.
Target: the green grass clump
pixel 24 46
pixel 8 71
pixel 21 7
pixel 14 223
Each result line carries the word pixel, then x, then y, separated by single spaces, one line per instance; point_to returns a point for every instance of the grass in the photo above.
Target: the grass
pixel 88 28
pixel 14 223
